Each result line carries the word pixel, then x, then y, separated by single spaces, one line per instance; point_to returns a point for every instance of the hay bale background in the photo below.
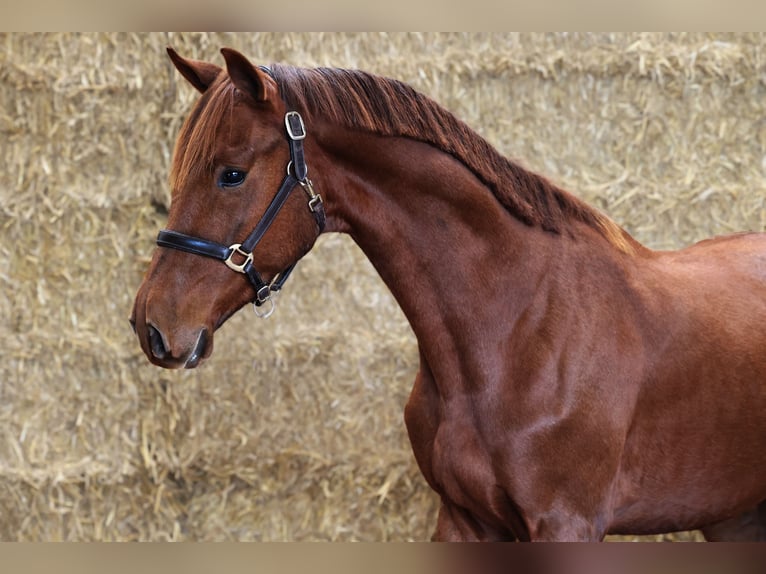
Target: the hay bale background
pixel 293 430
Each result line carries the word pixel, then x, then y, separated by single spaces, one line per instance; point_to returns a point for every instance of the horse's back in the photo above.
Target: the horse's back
pixel 720 282
pixel 740 254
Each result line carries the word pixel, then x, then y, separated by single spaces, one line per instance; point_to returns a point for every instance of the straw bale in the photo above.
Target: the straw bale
pixel 293 430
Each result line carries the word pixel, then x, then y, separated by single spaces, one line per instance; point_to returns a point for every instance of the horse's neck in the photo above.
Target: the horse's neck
pixel 451 254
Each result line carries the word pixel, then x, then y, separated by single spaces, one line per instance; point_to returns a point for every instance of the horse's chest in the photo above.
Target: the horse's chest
pixel 462 465
pixel 451 452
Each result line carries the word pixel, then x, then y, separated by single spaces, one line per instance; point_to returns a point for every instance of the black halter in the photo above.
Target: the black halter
pixel 297 174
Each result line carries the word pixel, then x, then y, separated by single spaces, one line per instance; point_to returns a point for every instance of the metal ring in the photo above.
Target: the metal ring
pixel 269 309
pixel 289 169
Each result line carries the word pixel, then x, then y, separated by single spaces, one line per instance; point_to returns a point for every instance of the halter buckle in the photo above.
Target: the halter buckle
pixel 296 129
pixel 238 267
pixel 263 294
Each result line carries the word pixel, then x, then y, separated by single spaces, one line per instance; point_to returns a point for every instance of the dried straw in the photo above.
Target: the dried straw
pixel 293 431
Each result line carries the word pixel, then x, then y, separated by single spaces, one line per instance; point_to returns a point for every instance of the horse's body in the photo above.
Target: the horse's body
pixel 572 382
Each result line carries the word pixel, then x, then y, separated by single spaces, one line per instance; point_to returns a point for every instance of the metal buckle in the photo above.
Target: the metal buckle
pixel 238 267
pixel 315 202
pixel 263 294
pixel 301 126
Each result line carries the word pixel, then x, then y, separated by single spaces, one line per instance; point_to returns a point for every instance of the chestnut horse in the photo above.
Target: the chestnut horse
pixel 572 382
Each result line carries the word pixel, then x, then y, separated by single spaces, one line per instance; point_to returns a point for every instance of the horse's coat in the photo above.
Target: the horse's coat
pixel 573 383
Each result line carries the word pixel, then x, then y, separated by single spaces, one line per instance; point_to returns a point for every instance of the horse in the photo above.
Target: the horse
pixel 572 382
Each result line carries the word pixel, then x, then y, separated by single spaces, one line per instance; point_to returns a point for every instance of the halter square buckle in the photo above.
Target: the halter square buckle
pixel 262 295
pixel 238 267
pixel 296 129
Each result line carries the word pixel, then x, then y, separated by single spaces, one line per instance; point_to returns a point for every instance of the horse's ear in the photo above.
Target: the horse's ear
pixel 199 74
pixel 248 78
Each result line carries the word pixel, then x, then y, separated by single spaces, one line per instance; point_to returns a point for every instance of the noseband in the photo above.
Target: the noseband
pixel 239 256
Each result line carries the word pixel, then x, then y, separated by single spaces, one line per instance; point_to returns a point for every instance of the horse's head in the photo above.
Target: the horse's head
pixel 242 211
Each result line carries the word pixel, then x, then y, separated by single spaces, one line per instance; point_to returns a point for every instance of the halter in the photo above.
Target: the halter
pixel 297 174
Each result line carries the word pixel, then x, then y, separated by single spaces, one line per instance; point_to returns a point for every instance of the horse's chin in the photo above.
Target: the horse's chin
pixel 175 365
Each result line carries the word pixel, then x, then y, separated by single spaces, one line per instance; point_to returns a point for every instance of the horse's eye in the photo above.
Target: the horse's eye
pixel 231 178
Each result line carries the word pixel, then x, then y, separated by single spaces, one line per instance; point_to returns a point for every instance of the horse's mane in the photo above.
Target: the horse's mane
pixel 362 101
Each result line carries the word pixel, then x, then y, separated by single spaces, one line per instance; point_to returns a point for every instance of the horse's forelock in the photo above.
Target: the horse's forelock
pixel 195 147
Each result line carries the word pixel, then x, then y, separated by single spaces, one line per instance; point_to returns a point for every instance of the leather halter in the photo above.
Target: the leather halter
pixel 297 174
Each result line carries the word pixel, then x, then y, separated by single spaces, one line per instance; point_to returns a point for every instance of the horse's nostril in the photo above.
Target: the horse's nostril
pixel 157 343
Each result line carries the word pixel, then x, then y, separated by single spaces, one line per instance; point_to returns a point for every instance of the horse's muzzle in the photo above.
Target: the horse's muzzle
pixel 173 350
pixel 166 354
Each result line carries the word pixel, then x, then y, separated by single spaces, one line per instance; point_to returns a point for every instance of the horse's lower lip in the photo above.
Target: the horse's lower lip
pixel 199 350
